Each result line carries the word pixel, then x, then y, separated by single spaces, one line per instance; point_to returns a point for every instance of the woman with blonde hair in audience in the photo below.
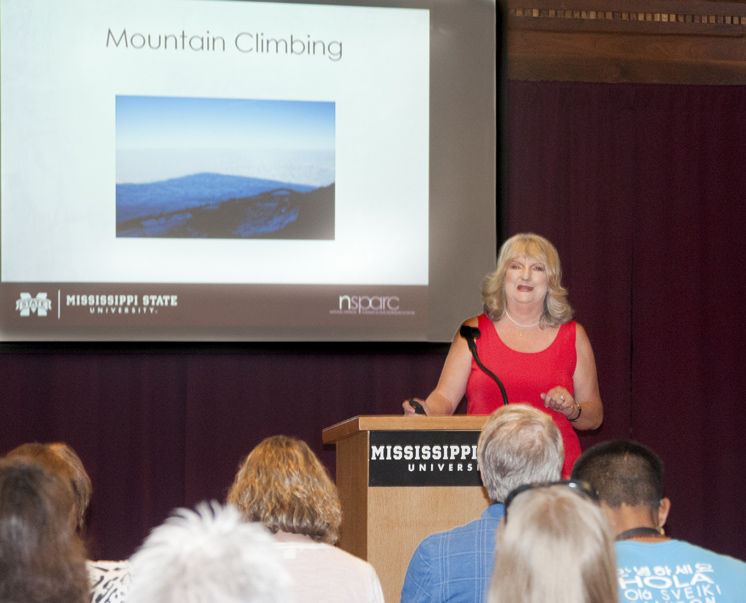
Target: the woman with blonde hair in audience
pixel 284 486
pixel 554 545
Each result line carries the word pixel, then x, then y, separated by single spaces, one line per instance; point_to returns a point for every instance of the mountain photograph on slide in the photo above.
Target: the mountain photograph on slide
pixel 224 168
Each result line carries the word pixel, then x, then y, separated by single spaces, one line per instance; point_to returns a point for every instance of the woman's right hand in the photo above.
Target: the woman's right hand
pixel 410 411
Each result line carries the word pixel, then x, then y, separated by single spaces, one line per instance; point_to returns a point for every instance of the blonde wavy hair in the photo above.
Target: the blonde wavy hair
pixel 557 309
pixel 283 485
pixel 554 545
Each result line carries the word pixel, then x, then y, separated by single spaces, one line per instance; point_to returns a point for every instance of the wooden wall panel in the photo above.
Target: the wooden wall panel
pixel 677 42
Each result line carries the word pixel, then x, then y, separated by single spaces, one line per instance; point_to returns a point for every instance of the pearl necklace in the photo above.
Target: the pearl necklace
pixel 521 327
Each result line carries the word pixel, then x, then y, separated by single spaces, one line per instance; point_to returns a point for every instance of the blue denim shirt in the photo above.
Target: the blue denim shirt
pixel 454 566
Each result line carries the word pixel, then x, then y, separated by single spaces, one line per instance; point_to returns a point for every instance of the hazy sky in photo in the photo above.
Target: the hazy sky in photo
pixel 144 122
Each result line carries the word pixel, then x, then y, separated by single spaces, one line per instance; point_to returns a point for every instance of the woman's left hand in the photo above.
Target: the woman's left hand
pixel 560 400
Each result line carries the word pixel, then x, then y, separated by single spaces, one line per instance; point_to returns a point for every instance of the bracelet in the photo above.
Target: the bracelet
pixel 580 412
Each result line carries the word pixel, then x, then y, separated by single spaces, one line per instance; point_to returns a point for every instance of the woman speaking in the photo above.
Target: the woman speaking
pixel 527 338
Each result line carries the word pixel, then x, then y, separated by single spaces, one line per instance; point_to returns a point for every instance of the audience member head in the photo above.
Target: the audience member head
pixel 41 559
pixel 283 485
pixel 208 556
pixel 629 480
pixel 518 445
pixel 554 545
pixel 61 459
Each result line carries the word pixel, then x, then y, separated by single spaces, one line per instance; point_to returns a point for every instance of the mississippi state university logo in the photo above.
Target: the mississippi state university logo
pixel 39 304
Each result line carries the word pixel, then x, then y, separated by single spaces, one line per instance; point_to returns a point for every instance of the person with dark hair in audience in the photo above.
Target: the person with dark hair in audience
pixel 518 444
pixel 284 486
pixel 109 579
pixel 651 566
pixel 554 546
pixel 41 559
pixel 61 459
pixel 208 556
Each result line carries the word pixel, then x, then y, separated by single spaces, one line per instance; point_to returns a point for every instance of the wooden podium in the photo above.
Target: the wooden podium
pixel 385 465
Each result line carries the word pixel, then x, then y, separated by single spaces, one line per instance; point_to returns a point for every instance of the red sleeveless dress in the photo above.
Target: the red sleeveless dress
pixel 525 376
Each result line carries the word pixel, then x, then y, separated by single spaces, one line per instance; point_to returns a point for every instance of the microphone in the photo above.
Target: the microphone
pixel 470 334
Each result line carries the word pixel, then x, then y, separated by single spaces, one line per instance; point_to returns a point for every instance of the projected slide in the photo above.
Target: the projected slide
pixel 287 194
pixel 168 133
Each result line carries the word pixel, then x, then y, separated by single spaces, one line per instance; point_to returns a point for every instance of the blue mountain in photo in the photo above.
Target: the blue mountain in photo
pixel 196 190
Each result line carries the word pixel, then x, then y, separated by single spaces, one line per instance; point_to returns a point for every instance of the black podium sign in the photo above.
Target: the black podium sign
pixel 423 458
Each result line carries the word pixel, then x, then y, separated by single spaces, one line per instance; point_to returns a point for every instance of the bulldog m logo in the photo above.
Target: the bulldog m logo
pixel 39 304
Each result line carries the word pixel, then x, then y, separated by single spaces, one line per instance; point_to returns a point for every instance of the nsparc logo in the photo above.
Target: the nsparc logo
pixel 39 304
pixel 370 304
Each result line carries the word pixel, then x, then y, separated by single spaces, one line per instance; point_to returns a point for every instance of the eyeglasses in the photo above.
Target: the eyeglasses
pixel 583 489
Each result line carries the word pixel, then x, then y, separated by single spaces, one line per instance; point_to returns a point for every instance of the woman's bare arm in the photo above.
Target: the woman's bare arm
pixel 453 379
pixel 585 384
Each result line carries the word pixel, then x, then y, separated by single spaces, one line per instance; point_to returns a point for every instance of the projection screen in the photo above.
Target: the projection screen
pixel 245 171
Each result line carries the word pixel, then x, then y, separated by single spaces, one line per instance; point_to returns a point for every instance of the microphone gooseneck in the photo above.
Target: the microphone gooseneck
pixel 470 334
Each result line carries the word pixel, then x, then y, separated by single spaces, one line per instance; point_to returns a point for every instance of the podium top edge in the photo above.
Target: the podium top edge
pixel 350 427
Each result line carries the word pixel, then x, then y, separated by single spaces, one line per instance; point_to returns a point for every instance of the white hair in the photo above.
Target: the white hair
pixel 518 445
pixel 208 556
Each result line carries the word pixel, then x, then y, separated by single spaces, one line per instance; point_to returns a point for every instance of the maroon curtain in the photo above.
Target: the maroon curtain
pixel 123 414
pixel 162 429
pixel 642 189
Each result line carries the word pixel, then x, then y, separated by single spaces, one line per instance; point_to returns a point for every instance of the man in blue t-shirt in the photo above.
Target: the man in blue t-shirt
pixel 518 445
pixel 650 566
